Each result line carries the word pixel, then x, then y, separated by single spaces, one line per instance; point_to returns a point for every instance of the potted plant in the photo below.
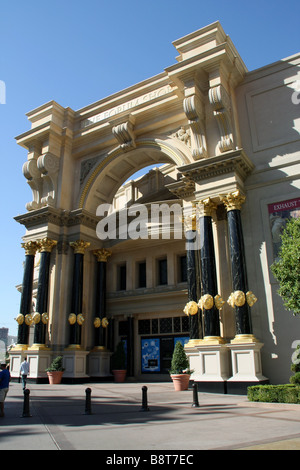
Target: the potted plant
pixel 180 372
pixel 55 371
pixel 118 363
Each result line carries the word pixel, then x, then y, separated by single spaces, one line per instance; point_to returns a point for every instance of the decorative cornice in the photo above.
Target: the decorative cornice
pixel 182 188
pixel 229 162
pixel 58 217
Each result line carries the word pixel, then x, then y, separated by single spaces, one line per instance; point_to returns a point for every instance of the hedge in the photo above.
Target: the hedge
pixel 287 393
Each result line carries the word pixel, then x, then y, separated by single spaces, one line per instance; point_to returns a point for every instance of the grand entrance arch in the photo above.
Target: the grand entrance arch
pixel 91 292
pixel 117 166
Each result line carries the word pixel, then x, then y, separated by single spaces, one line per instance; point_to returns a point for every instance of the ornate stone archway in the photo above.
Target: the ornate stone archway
pixel 117 166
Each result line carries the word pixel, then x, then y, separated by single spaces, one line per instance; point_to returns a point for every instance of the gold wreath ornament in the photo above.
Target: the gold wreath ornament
pixel 206 302
pixel 72 318
pixel 191 308
pixel 236 299
pixel 20 319
pixel 80 319
pixel 219 302
pixel 104 322
pixel 36 318
pixel 45 318
pixel 251 299
pixel 28 319
pixel 97 322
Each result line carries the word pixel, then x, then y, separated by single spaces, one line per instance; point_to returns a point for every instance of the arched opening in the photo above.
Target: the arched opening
pixel 113 171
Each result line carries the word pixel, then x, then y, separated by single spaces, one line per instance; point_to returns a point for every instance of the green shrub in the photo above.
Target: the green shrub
pixel 180 362
pixel 118 359
pixel 295 379
pixel 286 393
pixel 56 365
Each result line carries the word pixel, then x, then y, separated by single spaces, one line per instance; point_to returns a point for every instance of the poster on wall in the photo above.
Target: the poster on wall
pixel 150 355
pixel 279 213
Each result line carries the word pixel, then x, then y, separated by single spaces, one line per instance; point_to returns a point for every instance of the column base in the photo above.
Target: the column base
pixel 74 347
pixel 238 339
pixel 20 347
pixel 39 347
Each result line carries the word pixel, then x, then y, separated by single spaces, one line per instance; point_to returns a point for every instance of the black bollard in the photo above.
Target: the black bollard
pixel 144 399
pixel 88 403
pixel 26 411
pixel 195 396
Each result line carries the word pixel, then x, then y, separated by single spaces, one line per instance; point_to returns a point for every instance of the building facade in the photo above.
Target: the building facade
pixel 102 264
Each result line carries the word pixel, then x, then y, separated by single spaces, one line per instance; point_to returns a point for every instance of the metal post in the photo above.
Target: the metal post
pixel 195 396
pixel 26 411
pixel 88 405
pixel 144 399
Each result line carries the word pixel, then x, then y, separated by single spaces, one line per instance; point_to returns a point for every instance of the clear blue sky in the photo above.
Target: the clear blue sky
pixel 77 52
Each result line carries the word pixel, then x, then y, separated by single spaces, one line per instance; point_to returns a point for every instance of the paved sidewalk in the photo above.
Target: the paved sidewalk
pixel 222 422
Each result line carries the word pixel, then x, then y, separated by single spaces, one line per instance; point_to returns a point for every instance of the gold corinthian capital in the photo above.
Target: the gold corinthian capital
pixel 233 200
pixel 46 244
pixel 30 247
pixel 102 254
pixel 207 206
pixel 79 246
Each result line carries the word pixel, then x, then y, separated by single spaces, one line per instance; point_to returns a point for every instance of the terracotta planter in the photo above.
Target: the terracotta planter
pixel 119 375
pixel 180 381
pixel 54 377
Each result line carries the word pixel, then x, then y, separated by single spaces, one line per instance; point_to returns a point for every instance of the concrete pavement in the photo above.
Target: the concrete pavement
pixel 222 422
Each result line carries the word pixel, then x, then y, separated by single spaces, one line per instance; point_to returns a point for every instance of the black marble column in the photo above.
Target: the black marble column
pixel 79 247
pixel 45 248
pixel 130 347
pixel 193 279
pixel 208 270
pixel 102 256
pixel 26 295
pixel 233 204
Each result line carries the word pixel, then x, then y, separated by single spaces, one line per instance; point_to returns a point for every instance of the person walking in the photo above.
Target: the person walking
pixel 4 386
pixel 24 371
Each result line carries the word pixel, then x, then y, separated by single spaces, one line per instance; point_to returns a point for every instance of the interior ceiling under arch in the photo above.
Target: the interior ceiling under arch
pixel 119 170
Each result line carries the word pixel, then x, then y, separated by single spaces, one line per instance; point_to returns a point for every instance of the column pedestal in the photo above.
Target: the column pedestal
pixel 211 365
pixel 246 365
pixel 99 364
pixel 74 363
pixel 16 356
pixel 39 359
